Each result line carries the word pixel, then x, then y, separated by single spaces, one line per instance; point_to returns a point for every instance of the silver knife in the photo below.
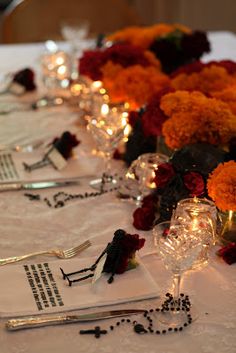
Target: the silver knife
pixel 14 186
pixel 38 321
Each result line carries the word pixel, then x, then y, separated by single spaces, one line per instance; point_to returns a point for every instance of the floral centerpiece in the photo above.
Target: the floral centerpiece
pixel 185 175
pixel 128 72
pixel 174 45
pixel 198 105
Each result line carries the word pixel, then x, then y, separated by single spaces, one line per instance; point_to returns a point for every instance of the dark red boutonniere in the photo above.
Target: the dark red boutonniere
pixel 25 78
pixel 60 151
pixel 228 253
pixel 65 144
pixel 119 257
pixel 194 182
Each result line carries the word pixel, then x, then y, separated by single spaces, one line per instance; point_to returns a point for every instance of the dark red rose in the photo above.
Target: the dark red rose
pixel 194 182
pixel 123 54
pixel 65 144
pixel 163 175
pixel 131 243
pixel 122 249
pixel 150 201
pixel 25 78
pixel 143 218
pixel 188 69
pixel 228 253
pixel 90 64
pixel 126 55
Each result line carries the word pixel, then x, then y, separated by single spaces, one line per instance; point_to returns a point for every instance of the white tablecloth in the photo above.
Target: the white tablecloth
pixel 27 226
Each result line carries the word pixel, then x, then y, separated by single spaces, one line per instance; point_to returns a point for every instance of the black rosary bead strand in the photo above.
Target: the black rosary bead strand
pixel 60 199
pixel 141 329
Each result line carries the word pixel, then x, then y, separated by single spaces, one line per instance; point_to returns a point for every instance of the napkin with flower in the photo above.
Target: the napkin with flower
pixel 20 82
pixel 41 289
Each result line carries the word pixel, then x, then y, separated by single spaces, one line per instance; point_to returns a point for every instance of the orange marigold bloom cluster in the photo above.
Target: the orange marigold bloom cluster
pixel 221 186
pixel 144 36
pixel 134 84
pixel 209 80
pixel 195 118
pixel 228 95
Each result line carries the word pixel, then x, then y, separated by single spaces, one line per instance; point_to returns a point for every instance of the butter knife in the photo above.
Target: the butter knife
pixel 14 186
pixel 39 321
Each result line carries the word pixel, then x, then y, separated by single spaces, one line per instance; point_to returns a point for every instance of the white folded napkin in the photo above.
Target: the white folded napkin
pixel 28 289
pixel 12 168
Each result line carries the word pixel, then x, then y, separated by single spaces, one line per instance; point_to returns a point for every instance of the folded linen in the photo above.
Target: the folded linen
pixel 32 289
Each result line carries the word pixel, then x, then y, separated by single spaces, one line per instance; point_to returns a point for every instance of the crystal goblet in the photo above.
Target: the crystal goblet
pixel 179 248
pixel 108 130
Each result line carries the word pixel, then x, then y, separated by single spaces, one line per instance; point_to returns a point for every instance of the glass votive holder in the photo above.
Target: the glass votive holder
pixel 139 179
pixel 56 70
pixel 199 216
pixel 143 170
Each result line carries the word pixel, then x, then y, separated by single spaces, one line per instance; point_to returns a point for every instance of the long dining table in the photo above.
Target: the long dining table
pixel 28 225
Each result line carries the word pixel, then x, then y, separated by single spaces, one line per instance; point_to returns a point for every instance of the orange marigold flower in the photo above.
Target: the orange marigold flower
pixel 221 186
pixel 228 95
pixel 144 36
pixel 209 80
pixel 195 118
pixel 133 84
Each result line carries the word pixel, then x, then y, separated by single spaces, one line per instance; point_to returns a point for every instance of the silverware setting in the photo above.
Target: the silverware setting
pixel 41 184
pixel 62 254
pixel 59 319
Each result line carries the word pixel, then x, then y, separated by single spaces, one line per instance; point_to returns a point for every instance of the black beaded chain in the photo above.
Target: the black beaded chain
pixel 60 199
pixel 183 304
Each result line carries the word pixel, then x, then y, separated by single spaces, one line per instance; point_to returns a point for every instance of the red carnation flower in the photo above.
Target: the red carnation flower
pixel 194 182
pixel 163 174
pixel 90 64
pixel 228 253
pixel 188 69
pixel 126 55
pixel 149 201
pixel 143 218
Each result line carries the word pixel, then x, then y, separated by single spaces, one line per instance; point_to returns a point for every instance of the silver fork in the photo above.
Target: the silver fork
pixel 62 254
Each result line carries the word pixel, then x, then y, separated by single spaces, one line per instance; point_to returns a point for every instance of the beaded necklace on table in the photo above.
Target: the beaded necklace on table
pixel 183 304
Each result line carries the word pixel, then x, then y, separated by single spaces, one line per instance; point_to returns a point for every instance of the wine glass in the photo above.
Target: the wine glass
pixel 75 32
pixel 178 248
pixel 108 130
pixel 139 178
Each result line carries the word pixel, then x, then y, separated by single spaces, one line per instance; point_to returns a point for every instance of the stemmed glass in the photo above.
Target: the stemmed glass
pixel 75 31
pixel 108 130
pixel 179 248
